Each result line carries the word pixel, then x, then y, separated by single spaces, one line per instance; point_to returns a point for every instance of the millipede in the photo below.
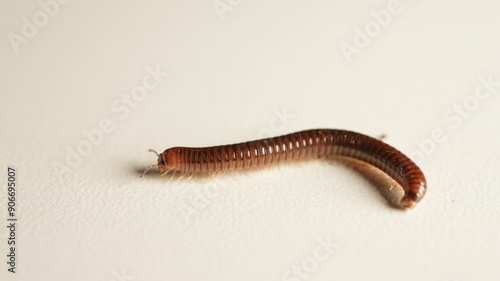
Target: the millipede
pixel 309 144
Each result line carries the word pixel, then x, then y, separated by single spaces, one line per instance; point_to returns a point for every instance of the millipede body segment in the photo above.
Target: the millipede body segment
pixel 307 144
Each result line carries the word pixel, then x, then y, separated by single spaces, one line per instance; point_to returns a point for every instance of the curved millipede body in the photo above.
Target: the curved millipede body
pixel 301 145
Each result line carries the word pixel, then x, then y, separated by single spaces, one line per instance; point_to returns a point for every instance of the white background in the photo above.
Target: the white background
pixel 230 72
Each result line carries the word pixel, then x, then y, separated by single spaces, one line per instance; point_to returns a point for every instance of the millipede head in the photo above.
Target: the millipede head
pixel 169 160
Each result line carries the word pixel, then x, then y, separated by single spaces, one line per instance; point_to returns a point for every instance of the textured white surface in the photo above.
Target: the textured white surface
pixel 227 80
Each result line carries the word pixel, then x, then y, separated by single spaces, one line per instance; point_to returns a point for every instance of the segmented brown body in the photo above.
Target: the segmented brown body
pixel 300 145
